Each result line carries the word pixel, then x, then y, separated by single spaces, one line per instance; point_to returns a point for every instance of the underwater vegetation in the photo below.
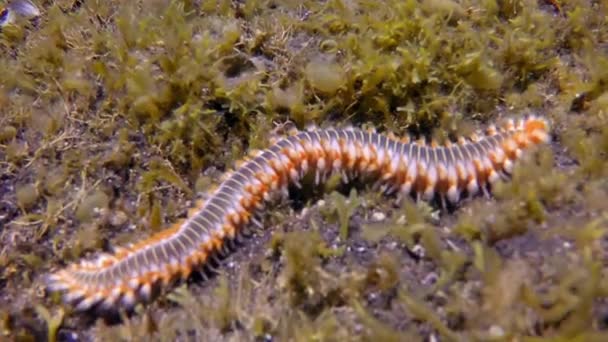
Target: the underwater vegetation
pixel 114 115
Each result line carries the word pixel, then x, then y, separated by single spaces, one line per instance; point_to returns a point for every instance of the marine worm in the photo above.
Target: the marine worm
pixel 130 275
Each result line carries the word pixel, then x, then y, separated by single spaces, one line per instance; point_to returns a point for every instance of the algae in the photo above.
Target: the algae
pixel 115 114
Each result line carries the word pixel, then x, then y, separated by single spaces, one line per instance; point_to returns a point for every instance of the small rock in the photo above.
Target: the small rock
pixel 68 335
pixel 496 331
pixel 118 219
pixel 378 216
pixel 419 251
pixel 402 220
pixel 430 279
pixel 435 216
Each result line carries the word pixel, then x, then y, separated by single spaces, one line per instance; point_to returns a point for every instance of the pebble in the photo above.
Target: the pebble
pixel 378 216
pixel 419 251
pixel 118 219
pixel 496 331
pixel 18 8
pixel 430 279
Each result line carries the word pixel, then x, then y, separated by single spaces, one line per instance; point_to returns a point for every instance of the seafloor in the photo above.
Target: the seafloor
pixel 116 115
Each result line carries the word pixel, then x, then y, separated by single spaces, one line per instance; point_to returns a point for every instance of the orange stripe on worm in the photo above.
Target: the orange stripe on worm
pixel 428 171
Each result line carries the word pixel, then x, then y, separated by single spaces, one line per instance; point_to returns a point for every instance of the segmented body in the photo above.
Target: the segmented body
pixel 131 273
